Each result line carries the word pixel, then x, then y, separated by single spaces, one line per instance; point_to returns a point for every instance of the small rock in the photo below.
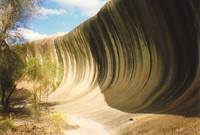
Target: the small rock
pixel 130 119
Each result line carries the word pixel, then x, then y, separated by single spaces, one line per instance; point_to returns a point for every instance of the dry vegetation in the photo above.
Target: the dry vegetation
pixel 49 123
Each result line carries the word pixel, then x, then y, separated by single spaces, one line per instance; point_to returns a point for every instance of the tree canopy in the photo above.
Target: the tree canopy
pixel 15 14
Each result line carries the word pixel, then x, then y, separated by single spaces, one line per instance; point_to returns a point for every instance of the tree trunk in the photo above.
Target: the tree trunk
pixel 3 97
pixel 6 104
pixel 8 98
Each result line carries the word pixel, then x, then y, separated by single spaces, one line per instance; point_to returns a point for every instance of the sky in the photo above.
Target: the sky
pixel 60 16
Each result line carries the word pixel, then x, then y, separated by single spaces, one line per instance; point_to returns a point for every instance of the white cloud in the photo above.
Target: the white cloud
pixel 42 13
pixel 30 35
pixel 46 11
pixel 86 7
pixel 22 35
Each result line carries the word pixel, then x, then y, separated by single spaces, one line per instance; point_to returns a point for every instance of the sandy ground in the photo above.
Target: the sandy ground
pixel 84 127
pixel 97 118
pixel 162 124
pixel 151 125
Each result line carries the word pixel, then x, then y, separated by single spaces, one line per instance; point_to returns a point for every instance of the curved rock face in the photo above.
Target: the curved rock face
pixel 147 53
pixel 143 56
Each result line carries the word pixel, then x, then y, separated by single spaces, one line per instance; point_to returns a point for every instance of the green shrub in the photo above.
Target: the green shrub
pixel 6 125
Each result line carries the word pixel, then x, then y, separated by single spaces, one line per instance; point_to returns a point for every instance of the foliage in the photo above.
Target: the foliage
pixel 51 123
pixel 43 73
pixel 11 61
pixel 11 72
pixel 6 125
pixel 15 14
pixel 56 121
pixel 33 68
pixel 50 70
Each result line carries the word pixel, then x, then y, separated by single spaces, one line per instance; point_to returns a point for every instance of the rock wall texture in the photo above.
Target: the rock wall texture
pixel 143 56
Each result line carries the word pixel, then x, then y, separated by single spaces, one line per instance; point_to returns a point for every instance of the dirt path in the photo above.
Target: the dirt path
pixel 84 127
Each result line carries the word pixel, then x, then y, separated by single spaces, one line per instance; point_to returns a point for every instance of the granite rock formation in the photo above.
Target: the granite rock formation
pixel 134 56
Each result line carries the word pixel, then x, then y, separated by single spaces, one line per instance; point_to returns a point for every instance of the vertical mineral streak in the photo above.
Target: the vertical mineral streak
pixel 144 55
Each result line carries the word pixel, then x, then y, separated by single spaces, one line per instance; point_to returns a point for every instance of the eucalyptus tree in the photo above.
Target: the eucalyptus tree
pixel 15 14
